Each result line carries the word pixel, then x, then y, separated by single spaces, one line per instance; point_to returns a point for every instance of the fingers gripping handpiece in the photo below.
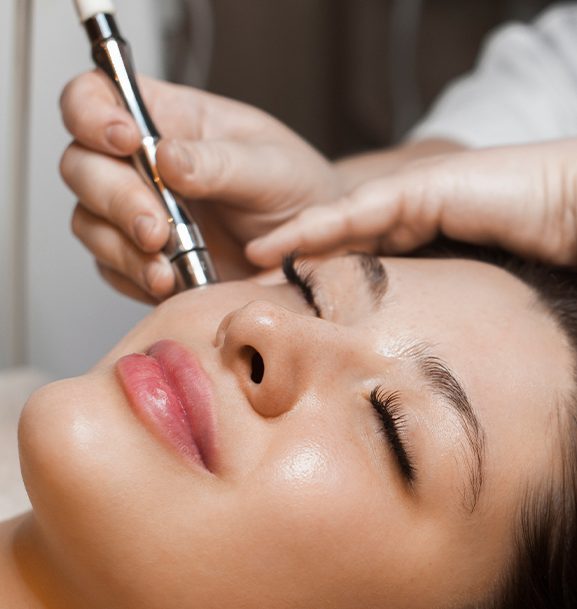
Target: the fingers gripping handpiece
pixel 186 248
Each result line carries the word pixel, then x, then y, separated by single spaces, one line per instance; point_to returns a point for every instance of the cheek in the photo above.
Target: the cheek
pixel 316 512
pixel 311 478
pixel 65 436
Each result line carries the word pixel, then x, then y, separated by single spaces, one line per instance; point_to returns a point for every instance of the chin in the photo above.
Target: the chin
pixel 77 455
pixel 99 484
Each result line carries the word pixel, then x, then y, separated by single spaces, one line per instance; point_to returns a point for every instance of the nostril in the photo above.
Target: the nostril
pixel 257 368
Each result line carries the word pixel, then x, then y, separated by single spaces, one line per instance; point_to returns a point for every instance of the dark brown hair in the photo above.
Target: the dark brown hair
pixel 543 574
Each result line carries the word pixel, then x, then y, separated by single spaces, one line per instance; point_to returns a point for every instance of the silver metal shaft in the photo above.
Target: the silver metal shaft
pixel 186 248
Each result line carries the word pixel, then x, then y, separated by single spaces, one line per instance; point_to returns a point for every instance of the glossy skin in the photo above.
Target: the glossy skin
pixel 307 507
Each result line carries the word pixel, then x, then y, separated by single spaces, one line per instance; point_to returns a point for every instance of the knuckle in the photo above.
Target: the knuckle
pixel 102 270
pixel 124 259
pixel 76 121
pixel 73 101
pixel 305 229
pixel 110 251
pixel 107 274
pixel 345 203
pixel 66 94
pixel 343 217
pixel 300 227
pixel 71 113
pixel 216 166
pixel 120 201
pixel 119 260
pixel 309 216
pixel 67 163
pixel 76 221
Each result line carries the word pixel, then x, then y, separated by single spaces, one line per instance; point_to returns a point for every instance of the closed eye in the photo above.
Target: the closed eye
pixel 303 278
pixel 388 408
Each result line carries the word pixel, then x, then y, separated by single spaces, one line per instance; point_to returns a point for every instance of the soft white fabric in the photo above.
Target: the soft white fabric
pixel 524 88
pixel 15 387
pixel 89 8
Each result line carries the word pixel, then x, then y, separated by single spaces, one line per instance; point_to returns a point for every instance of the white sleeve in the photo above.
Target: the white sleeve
pixel 524 88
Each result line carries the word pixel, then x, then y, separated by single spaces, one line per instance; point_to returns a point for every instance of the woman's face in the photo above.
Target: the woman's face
pixel 370 457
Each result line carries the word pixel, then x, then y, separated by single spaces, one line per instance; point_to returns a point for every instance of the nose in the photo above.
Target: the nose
pixel 273 352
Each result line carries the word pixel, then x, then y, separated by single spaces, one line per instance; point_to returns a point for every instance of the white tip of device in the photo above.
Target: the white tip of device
pixel 88 8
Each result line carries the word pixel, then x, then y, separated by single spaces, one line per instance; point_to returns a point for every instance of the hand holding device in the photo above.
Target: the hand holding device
pixel 241 173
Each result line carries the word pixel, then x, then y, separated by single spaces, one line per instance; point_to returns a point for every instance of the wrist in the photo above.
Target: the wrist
pixel 356 169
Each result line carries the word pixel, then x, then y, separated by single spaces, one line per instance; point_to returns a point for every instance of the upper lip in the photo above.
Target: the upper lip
pixel 191 384
pixel 172 395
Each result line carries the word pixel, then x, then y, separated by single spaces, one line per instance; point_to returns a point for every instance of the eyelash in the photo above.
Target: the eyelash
pixel 387 405
pixel 303 279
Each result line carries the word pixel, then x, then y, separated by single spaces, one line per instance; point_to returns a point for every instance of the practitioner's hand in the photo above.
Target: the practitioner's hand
pixel 243 173
pixel 522 198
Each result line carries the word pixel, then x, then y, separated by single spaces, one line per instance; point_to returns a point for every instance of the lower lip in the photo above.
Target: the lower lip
pixel 170 393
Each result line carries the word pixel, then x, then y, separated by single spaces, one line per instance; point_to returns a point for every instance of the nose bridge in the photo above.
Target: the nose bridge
pixel 287 348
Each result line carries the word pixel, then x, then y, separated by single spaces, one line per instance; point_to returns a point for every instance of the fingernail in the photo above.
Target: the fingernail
pixel 157 275
pixel 119 136
pixel 144 226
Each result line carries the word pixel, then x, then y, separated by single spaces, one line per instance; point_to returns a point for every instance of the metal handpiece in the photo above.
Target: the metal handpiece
pixel 186 248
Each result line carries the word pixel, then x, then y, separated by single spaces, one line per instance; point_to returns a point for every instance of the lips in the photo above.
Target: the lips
pixel 171 394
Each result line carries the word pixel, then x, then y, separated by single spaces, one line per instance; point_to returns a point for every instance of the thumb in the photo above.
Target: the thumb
pixel 235 172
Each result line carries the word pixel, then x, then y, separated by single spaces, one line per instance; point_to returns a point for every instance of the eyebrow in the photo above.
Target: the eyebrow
pixel 375 275
pixel 445 384
pixel 441 380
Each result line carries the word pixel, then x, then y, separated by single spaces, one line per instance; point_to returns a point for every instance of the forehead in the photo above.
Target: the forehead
pixel 451 303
